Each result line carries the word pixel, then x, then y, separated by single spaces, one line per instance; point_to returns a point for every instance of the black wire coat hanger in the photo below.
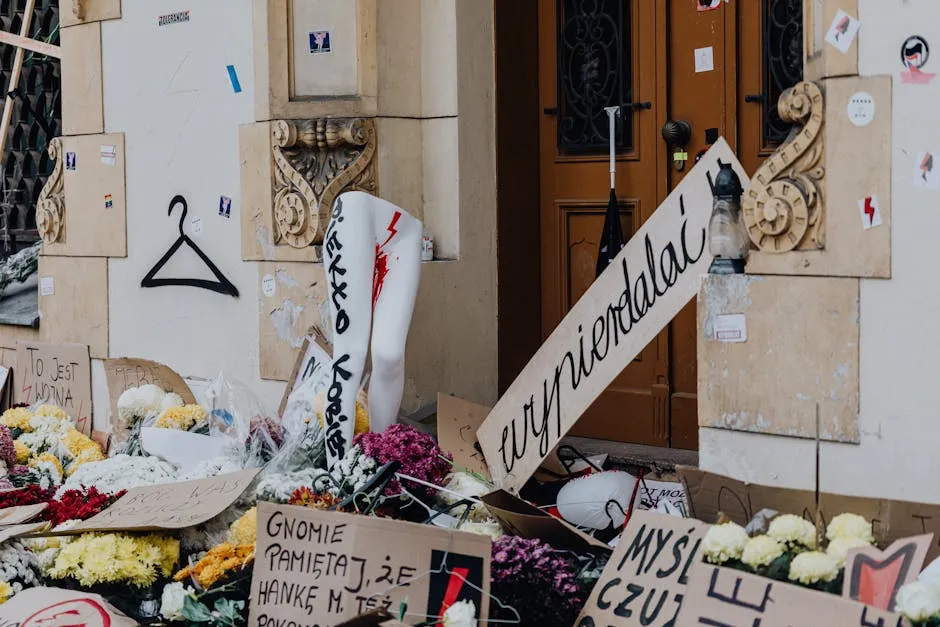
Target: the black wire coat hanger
pixel 222 285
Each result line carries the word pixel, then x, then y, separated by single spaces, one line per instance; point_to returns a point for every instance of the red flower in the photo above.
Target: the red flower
pixel 29 495
pixel 79 505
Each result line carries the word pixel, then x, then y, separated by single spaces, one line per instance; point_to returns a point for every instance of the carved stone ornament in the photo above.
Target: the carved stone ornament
pixel 314 161
pixel 50 210
pixel 784 208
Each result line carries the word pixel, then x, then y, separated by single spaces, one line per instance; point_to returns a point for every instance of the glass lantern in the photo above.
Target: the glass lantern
pixel 728 241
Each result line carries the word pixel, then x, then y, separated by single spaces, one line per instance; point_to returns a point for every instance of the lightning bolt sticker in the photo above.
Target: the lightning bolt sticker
pixel 392 231
pixel 871 213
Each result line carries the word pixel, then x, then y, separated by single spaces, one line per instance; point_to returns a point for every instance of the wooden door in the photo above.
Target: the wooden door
pixel 660 60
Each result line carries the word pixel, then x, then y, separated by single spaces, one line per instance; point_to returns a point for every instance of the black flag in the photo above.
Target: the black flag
pixel 612 237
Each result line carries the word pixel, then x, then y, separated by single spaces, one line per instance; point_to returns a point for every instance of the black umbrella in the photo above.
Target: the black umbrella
pixel 612 236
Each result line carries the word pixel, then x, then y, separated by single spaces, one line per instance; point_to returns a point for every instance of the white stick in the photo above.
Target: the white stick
pixel 612 113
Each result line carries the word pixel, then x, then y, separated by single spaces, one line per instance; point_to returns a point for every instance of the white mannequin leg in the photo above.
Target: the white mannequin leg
pixel 398 272
pixel 348 256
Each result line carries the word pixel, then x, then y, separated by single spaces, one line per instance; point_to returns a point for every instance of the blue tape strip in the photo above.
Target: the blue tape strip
pixel 234 78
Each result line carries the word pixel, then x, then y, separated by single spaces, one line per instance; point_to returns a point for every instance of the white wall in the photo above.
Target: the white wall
pixel 168 90
pixel 900 417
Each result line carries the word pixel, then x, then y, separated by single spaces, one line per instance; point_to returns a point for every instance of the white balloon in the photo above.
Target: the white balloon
pixel 586 502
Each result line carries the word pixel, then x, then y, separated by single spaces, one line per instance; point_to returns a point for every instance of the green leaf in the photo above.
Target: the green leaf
pixel 195 611
pixel 230 611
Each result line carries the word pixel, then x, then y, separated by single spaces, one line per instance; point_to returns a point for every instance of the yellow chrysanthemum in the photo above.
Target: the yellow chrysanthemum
pixel 22 452
pixel 245 529
pixel 182 418
pixel 17 418
pixel 116 558
pixel 48 457
pixel 218 562
pixel 362 415
pixel 82 448
pixel 6 591
pixel 51 411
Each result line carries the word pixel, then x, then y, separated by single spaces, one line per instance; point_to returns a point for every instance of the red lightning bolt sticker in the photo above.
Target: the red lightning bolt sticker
pixel 392 231
pixel 871 214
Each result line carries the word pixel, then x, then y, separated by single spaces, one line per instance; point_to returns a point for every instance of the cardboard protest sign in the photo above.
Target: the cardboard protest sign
pixel 313 360
pixel 523 519
pixel 170 505
pixel 645 580
pixel 39 607
pixel 873 577
pixel 15 531
pixel 20 513
pixel 318 567
pixel 722 596
pixel 710 493
pixel 457 424
pixel 655 275
pixel 56 374
pixel 124 373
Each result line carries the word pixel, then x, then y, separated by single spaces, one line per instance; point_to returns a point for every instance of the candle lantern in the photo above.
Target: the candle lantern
pixel 728 241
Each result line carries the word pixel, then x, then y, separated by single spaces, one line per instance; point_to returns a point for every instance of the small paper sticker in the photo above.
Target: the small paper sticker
pixel 268 285
pixel 233 77
pixel 704 59
pixel 914 55
pixel 871 214
pixel 707 5
pixel 173 18
pixel 195 225
pixel 225 207
pixel 320 42
pixel 730 328
pixel 861 108
pixel 842 31
pixel 70 161
pixel 46 286
pixel 108 154
pixel 925 172
pixel 108 201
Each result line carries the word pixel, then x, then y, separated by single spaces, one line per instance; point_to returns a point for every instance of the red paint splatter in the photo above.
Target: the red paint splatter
pixel 378 274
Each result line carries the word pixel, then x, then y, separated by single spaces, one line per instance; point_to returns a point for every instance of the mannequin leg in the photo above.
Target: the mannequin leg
pixel 348 256
pixel 398 272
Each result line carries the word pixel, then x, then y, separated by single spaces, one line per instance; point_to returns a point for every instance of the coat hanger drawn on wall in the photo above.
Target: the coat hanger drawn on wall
pixel 221 285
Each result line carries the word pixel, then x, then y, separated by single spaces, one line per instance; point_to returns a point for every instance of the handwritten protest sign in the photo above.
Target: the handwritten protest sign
pixel 313 360
pixel 320 568
pixel 170 505
pixel 874 577
pixel 38 607
pixel 123 374
pixel 15 531
pixel 57 374
pixel 645 580
pixel 722 596
pixel 457 424
pixel 711 493
pixel 655 275
pixel 20 513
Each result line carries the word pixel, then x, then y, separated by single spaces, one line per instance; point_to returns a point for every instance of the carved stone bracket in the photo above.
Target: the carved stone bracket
pixel 50 210
pixel 314 161
pixel 784 207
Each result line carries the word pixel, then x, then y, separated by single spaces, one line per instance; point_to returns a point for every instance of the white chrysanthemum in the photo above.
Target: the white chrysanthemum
pixel 170 400
pixel 173 599
pixel 813 567
pixel 850 526
pixel 919 601
pixel 140 402
pixel 761 551
pixel 490 528
pixel 120 472
pixel 467 485
pixel 793 531
pixel 460 614
pixel 724 542
pixel 838 548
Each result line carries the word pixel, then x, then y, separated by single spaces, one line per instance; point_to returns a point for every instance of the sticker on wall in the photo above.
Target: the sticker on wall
pixel 871 214
pixel 842 31
pixel 221 285
pixel 268 285
pixel 195 225
pixel 861 108
pixel 707 5
pixel 108 201
pixel 730 328
pixel 47 286
pixel 225 207
pixel 108 154
pixel 914 55
pixel 70 161
pixel 704 59
pixel 925 173
pixel 233 77
pixel 173 18
pixel 320 42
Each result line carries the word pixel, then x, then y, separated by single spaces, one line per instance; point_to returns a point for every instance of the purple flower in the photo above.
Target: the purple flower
pixel 418 452
pixel 7 450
